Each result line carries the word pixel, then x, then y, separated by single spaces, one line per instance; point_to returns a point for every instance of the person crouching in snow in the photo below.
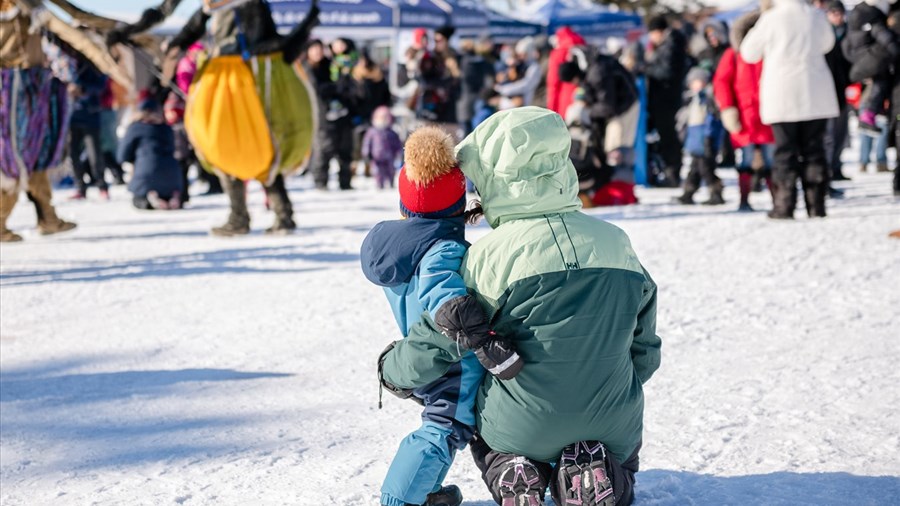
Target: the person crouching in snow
pixel 382 146
pixel 417 261
pixel 149 145
pixel 702 140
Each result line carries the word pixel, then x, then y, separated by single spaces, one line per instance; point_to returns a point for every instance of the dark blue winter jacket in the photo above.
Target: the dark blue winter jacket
pixel 86 106
pixel 417 262
pixel 151 147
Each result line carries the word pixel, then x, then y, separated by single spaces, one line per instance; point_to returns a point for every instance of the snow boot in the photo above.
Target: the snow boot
pixel 446 496
pixel 882 167
pixel 521 484
pixel 745 184
pixel 239 218
pixel 500 358
pixel 40 195
pixel 686 198
pixel 814 195
pixel 583 476
pixel 7 204
pixel 715 195
pixel 280 204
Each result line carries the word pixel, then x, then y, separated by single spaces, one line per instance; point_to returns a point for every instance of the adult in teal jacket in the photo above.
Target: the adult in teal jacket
pixel 569 291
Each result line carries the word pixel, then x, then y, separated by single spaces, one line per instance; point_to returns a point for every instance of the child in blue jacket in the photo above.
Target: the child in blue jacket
pixel 417 261
pixel 702 139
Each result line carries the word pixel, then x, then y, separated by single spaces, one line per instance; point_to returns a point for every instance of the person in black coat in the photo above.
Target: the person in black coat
pixel 666 66
pixel 338 95
pixel 837 130
pixel 149 144
pixel 871 47
pixel 477 75
pixel 84 128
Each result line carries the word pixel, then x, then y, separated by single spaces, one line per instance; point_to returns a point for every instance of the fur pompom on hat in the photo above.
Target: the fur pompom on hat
pixel 431 184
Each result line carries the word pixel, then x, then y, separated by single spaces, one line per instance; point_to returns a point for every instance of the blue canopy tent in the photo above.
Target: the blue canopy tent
pixel 590 20
pixel 468 17
pixel 365 19
pixel 506 29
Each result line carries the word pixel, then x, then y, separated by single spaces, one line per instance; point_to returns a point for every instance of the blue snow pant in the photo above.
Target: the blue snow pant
pixel 448 423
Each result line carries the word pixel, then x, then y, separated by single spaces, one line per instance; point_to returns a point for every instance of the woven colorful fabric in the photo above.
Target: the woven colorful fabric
pixel 34 113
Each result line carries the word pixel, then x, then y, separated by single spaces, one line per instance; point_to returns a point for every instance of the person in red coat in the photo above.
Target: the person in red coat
pixel 559 93
pixel 736 88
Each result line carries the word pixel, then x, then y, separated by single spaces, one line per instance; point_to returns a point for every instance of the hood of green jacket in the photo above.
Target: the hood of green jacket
pixel 519 162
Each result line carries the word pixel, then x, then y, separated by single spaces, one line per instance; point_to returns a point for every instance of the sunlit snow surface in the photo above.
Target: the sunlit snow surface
pixel 144 362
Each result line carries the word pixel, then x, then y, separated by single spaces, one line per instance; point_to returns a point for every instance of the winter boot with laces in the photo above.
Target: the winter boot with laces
pixel 583 476
pixel 520 484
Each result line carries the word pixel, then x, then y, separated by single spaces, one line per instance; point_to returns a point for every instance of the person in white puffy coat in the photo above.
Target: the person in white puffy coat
pixel 797 96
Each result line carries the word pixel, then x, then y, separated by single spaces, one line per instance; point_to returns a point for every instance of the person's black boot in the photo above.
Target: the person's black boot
pixel 583 476
pixel 446 496
pixel 715 195
pixel 239 218
pixel 520 483
pixel 281 206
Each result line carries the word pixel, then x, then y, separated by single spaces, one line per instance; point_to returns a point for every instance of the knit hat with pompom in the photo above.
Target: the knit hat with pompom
pixel 431 184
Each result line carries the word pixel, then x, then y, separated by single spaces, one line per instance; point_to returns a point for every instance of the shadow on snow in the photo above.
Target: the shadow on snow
pixel 658 487
pixel 227 261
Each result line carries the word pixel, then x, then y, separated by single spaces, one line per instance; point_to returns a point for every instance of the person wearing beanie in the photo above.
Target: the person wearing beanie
pixel 665 70
pixel 702 139
pixel 149 145
pixel 417 261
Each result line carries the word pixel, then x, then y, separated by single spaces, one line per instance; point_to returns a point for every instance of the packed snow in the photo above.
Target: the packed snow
pixel 145 362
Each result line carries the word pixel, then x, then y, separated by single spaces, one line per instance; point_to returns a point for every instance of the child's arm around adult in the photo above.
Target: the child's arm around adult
pixel 442 290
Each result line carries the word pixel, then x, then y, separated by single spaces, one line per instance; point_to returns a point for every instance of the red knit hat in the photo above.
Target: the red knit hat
pixel 431 184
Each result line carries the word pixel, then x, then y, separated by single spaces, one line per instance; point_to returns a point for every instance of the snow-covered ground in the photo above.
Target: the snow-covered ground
pixel 144 362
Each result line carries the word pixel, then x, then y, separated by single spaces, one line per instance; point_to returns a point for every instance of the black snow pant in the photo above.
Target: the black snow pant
pixel 800 154
pixel 86 140
pixel 492 464
pixel 703 169
pixel 669 144
pixel 835 139
pixel 334 140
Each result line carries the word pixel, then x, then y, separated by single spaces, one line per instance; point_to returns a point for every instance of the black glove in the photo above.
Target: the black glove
pixel 463 321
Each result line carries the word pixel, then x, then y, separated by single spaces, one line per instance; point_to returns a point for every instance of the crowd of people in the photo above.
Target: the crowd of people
pixel 771 102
